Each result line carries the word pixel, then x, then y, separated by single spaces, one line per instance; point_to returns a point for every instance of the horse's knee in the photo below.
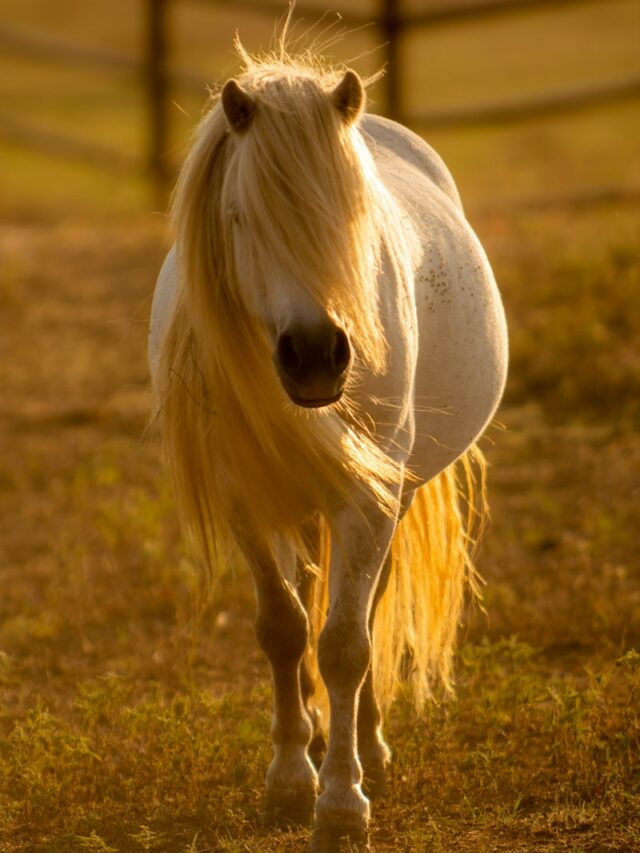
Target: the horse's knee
pixel 344 653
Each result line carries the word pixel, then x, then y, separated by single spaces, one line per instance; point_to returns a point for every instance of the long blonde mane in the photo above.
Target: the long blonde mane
pixel 239 453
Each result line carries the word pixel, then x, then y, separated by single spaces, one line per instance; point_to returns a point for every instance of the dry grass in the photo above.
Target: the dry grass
pixel 132 720
pixel 128 725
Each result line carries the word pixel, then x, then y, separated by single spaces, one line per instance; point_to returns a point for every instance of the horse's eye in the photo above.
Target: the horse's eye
pixel 234 215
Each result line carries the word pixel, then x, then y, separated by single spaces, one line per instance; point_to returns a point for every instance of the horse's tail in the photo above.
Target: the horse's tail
pixel 432 567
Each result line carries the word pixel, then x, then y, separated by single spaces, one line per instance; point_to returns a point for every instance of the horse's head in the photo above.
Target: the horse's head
pixel 288 214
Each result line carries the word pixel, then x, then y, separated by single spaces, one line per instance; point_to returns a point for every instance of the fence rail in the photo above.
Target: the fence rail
pixel 562 100
pixel 476 9
pixel 68 147
pixel 451 13
pixel 158 78
pixel 32 45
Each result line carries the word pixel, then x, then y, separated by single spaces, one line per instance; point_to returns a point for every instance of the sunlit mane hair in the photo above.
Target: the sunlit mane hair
pixel 306 187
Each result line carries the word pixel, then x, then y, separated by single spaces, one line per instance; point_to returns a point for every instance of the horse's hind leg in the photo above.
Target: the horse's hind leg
pixel 373 751
pixel 305 586
pixel 318 744
pixel 282 632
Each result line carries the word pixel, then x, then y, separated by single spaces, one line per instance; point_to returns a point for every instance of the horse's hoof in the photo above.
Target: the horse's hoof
pixel 288 808
pixel 339 839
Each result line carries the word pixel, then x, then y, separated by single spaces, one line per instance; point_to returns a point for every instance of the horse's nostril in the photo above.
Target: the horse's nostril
pixel 341 353
pixel 288 354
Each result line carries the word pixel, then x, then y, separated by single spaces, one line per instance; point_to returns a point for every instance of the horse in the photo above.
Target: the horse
pixel 327 345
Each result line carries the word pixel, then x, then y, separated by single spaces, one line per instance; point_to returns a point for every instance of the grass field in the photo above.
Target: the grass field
pixel 132 719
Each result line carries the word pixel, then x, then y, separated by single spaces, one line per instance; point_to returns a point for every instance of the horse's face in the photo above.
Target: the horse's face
pixel 311 352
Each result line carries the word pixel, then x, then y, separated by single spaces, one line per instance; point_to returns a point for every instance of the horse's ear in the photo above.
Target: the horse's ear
pixel 348 96
pixel 238 105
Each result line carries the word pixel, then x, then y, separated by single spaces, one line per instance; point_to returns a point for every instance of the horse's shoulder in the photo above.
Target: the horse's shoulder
pixel 380 132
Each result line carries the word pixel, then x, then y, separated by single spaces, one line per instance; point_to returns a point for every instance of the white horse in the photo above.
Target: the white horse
pixel 327 339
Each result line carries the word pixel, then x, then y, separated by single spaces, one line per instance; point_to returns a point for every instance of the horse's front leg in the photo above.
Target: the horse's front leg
pixel 282 632
pixel 360 542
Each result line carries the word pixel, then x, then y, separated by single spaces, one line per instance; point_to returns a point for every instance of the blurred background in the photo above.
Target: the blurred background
pixel 127 717
pixel 521 98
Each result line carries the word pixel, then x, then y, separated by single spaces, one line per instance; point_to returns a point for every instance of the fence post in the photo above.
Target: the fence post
pixel 157 90
pixel 390 23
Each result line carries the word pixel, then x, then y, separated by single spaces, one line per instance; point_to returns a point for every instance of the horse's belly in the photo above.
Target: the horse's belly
pixel 462 351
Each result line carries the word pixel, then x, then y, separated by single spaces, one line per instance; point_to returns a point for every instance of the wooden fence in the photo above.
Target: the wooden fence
pixel 156 75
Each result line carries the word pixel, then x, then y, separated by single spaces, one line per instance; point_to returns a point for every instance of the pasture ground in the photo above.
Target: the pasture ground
pixel 129 724
pixel 133 719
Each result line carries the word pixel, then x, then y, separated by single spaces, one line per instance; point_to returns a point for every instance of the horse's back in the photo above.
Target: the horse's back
pixel 380 132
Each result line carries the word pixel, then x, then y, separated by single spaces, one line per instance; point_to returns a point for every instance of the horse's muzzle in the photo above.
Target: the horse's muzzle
pixel 313 363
